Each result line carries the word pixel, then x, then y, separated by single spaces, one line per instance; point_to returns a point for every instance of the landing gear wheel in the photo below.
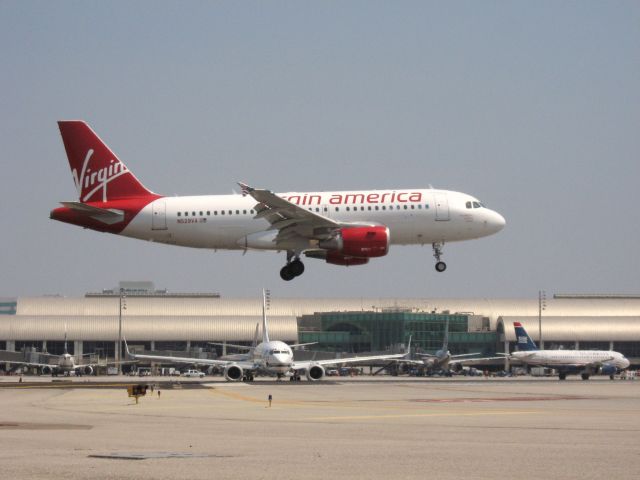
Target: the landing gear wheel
pixel 437 253
pixel 286 273
pixel 292 269
pixel 562 376
pixel 296 267
pixel 585 376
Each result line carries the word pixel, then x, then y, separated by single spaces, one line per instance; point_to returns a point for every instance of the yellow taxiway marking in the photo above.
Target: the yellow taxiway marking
pixel 69 386
pixel 289 403
pixel 415 415
pixel 236 396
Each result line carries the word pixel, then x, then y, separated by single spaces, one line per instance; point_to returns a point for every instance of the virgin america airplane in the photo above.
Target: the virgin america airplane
pixel 341 228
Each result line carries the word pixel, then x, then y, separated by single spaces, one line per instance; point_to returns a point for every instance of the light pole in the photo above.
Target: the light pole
pixel 123 306
pixel 542 305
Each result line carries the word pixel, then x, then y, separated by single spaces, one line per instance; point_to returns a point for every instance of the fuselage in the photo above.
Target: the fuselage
pixel 559 358
pixel 227 221
pixel 441 360
pixel 273 357
pixel 66 363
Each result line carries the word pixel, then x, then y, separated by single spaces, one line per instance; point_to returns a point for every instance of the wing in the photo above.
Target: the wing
pixel 29 364
pixel 465 355
pixel 240 347
pixel 473 361
pixel 123 362
pixel 339 361
pixel 192 361
pixel 292 221
pixel 189 360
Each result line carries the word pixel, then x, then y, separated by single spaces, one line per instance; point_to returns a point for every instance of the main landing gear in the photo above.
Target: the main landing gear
pixel 292 269
pixel 437 253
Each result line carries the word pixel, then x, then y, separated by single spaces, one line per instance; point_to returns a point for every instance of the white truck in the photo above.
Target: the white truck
pixel 193 373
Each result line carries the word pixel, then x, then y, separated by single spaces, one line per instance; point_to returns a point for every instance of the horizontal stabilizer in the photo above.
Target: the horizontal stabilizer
pixel 108 216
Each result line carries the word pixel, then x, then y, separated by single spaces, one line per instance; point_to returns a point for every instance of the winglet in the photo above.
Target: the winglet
pixel 245 189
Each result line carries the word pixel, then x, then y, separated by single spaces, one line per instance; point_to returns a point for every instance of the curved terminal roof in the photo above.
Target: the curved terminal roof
pixel 150 327
pixel 487 307
pixel 234 319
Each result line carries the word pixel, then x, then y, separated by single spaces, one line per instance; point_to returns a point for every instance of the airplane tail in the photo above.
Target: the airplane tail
pixel 98 174
pixel 523 340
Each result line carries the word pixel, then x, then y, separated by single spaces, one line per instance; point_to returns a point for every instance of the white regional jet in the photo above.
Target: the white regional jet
pixel 267 357
pixel 342 228
pixel 584 362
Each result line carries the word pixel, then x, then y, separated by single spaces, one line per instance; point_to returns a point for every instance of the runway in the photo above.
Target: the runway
pixel 382 428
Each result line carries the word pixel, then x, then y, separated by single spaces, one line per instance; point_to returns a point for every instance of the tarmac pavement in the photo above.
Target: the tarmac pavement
pixel 364 427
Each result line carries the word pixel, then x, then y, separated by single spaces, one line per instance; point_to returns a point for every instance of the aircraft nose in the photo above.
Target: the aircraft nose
pixel 494 221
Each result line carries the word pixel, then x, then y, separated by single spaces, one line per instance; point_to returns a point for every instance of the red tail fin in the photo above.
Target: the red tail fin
pixel 98 174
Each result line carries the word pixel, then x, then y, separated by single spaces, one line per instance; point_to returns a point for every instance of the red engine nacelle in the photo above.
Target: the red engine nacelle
pixel 359 242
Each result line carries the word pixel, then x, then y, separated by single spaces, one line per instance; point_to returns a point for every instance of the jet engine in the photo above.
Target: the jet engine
pixel 233 373
pixel 360 242
pixel 315 372
pixel 608 370
pixel 47 370
pixel 88 370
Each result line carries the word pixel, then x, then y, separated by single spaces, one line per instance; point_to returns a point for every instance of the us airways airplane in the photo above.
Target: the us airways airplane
pixel 585 362
pixel 341 228
pixel 267 357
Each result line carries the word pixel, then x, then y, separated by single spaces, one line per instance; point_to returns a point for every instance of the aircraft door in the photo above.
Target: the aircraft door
pixel 442 206
pixel 159 215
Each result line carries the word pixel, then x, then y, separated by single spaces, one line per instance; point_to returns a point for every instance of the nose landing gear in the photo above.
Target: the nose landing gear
pixel 292 269
pixel 437 253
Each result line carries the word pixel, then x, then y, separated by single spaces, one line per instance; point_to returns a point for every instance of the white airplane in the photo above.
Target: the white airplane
pixel 65 364
pixel 342 228
pixel 269 357
pixel 584 362
pixel 443 360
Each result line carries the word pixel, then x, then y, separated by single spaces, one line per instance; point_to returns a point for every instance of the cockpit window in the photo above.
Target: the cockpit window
pixel 468 204
pixel 476 205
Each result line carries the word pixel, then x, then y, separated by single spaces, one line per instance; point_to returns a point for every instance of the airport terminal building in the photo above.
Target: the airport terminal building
pixel 161 321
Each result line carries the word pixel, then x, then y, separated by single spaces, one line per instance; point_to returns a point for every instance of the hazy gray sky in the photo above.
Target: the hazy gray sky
pixel 534 107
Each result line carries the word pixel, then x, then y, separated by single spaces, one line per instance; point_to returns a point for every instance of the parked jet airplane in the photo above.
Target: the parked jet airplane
pixel 342 228
pixel 584 362
pixel 443 360
pixel 65 364
pixel 266 357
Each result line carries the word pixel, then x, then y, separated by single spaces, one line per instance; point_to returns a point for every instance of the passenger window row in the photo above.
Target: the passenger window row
pixel 208 213
pixel 216 212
